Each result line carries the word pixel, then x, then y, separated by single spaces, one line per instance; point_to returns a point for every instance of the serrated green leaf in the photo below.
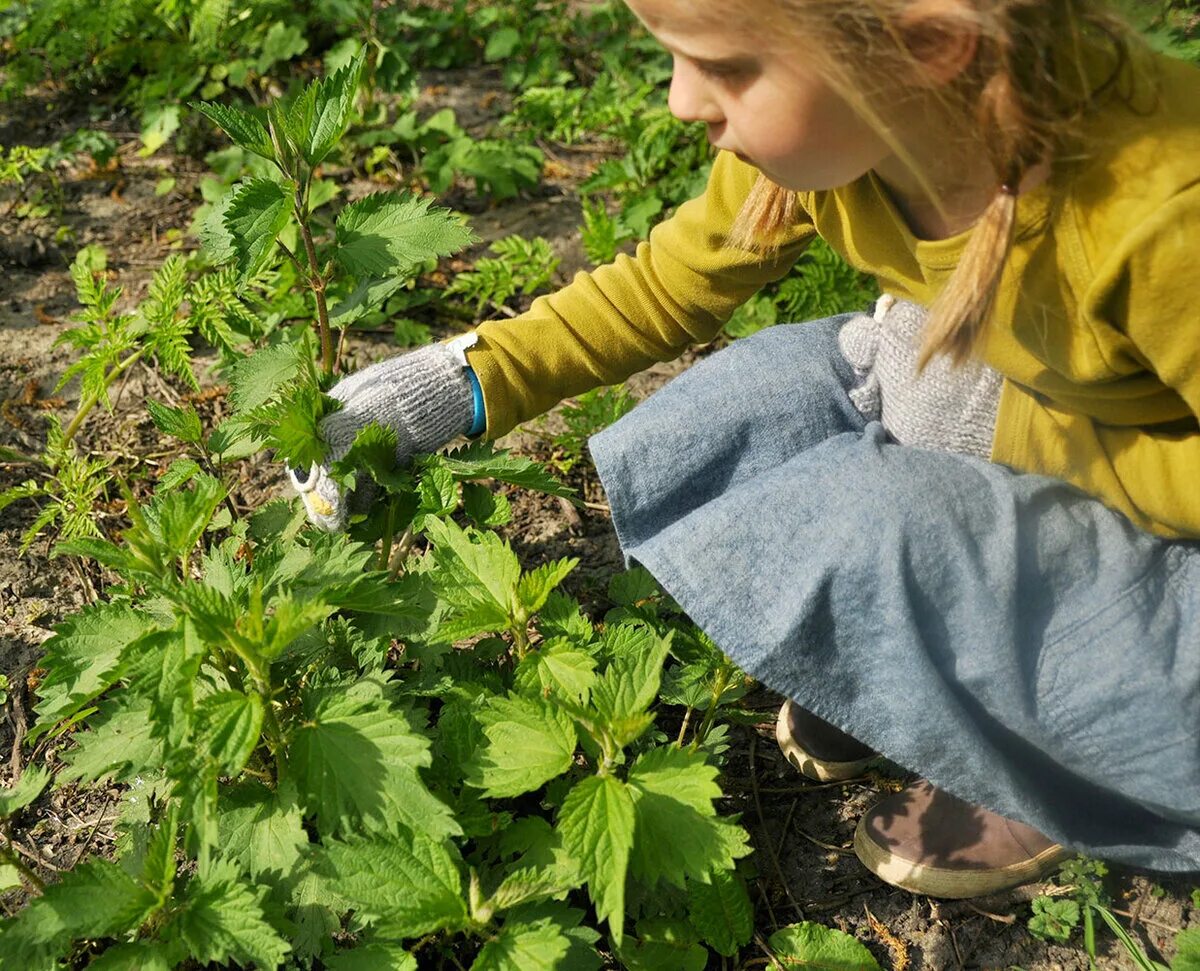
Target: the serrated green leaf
pixel 632 586
pixel 95 899
pixel 10 877
pixel 376 956
pixel 241 126
pixel 677 834
pixel 556 668
pixel 536 946
pixel 368 296
pixel 663 943
pixel 179 472
pixel 256 379
pixel 480 460
pixel 223 920
pixel 526 743
pixel 257 214
pixel 561 616
pixel 315 912
pixel 81 658
pixel 1187 957
pixel 810 945
pixel 597 828
pixel 263 829
pixel 321 114
pixel 478 577
pixel 721 911
pixel 407 883
pixel 392 234
pixel 230 723
pixel 629 686
pixel 374 449
pixel 485 507
pixel 182 423
pixel 536 585
pixel 356 758
pixel 142 956
pixel 119 743
pixel 33 780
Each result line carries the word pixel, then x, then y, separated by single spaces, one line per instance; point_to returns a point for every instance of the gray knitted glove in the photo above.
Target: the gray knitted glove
pixel 947 408
pixel 424 396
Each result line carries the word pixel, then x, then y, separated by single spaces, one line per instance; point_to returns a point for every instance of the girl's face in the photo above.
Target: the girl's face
pixel 767 108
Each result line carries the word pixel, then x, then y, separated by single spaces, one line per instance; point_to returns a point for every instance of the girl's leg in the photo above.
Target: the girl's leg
pixel 734 415
pixel 1024 647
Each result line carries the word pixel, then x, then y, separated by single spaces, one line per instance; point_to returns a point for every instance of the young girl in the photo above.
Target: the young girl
pixel 960 531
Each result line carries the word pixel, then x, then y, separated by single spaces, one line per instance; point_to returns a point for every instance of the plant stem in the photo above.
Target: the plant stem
pixel 90 402
pixel 687 717
pixel 389 533
pixel 719 685
pixel 316 283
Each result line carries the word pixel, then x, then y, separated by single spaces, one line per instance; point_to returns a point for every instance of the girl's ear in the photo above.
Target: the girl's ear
pixel 942 36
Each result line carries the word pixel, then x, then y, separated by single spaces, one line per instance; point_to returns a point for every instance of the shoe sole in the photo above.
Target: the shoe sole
pixel 951 884
pixel 808 765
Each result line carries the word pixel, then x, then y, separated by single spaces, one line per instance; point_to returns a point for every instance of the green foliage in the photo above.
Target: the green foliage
pixel 821 284
pixel 584 416
pixel 813 945
pixel 1054 920
pixel 521 266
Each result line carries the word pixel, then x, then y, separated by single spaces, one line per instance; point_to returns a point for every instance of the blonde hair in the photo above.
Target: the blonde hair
pixel 1026 93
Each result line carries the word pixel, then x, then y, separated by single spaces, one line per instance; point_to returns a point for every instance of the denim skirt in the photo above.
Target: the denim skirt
pixel 1002 634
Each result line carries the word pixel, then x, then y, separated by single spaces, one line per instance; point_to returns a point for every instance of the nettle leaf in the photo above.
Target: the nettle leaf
pixel 241 126
pixel 181 423
pixel 561 616
pixel 407 883
pixel 526 744
pixel 321 114
pixel 356 758
pixel 368 296
pixel 810 945
pixel 478 577
pixel 535 586
pixel 485 507
pixel 663 943
pixel 374 956
pixel 119 745
pixel 1187 958
pixel 257 214
pixel 231 723
pixel 392 234
pixel 534 946
pixel 596 824
pixel 81 658
pixel 223 920
pixel 557 668
pixel 142 956
pixel 480 460
pixel 33 780
pixel 256 379
pixel 721 911
pixel 263 829
pixel 95 899
pixel 629 686
pixel 678 833
pixel 374 449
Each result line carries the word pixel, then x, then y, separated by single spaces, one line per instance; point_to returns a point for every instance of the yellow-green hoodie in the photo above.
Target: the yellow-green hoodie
pixel 1096 326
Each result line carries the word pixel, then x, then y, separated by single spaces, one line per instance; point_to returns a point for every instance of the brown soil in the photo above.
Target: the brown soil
pixel 801 830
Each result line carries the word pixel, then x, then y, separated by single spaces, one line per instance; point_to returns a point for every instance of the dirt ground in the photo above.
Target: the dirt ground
pixel 802 831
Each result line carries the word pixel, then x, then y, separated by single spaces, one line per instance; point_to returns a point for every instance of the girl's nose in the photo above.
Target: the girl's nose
pixel 689 98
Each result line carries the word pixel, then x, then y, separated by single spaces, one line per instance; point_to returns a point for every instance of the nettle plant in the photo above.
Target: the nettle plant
pixel 359 750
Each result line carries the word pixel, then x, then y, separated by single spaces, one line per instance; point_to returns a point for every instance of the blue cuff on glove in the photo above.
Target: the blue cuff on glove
pixel 479 423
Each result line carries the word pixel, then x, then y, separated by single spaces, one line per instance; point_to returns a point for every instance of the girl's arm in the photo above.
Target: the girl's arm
pixel 1154 300
pixel 679 289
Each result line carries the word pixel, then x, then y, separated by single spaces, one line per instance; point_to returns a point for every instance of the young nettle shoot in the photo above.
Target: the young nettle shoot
pixel 379 244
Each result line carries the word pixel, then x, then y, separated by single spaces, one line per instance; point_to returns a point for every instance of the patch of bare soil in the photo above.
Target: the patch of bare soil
pixel 802 831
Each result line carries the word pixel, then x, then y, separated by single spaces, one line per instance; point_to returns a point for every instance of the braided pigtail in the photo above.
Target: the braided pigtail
pixel 1014 141
pixel 766 211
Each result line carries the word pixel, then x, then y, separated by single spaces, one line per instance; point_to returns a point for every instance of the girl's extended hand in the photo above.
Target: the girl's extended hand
pixel 424 396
